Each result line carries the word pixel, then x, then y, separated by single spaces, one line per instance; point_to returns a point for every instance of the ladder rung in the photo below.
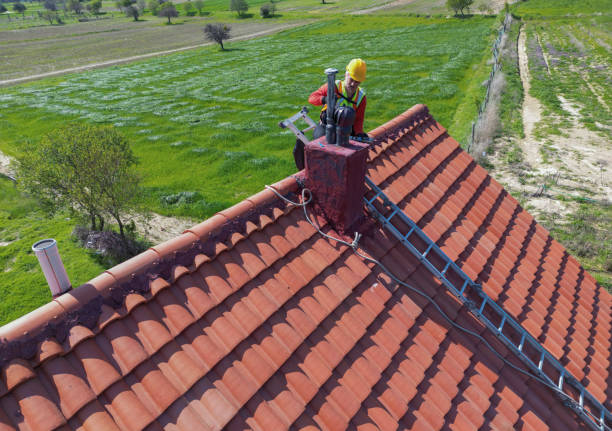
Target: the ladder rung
pixel 581 400
pixel 445 268
pixel 391 216
pixel 409 233
pixel 561 377
pixel 541 363
pixel 427 251
pixel 501 325
pixel 522 343
pixel 482 306
pixel 465 283
pixel 375 197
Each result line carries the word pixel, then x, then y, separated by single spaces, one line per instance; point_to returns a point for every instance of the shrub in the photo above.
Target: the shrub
pixel 267 10
pixel 239 6
pixel 153 6
pixel 132 12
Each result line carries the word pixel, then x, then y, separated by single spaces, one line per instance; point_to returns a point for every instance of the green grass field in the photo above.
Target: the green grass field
pixel 536 9
pixel 206 121
pixel 22 284
pixel 203 123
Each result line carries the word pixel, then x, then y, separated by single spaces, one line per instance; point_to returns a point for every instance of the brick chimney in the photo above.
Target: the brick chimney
pixel 336 176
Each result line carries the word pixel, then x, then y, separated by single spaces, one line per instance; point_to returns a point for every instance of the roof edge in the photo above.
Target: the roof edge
pixel 74 307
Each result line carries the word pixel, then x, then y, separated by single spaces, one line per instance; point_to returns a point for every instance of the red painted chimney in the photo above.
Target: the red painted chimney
pixel 336 176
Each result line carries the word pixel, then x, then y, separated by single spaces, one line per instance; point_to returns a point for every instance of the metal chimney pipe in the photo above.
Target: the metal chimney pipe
pixel 48 256
pixel 330 129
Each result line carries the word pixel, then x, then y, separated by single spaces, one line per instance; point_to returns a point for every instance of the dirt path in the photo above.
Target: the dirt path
pixel 384 6
pixel 158 228
pixel 532 110
pixel 578 162
pixel 113 62
pixel 495 5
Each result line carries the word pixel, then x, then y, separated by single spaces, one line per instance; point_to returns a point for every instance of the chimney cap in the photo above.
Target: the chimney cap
pixel 43 244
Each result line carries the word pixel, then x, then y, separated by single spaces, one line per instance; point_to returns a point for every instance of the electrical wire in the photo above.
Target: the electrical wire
pixel 355 247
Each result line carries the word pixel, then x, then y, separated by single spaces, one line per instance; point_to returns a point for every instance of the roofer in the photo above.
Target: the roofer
pixel 349 94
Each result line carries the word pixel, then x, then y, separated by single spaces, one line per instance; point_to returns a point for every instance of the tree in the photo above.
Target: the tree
pixel 189 8
pixel 75 6
pixel 459 5
pixel 50 5
pixel 141 4
pixel 94 6
pixel 50 15
pixel 168 10
pixel 239 6
pixel 2 8
pixel 19 8
pixel 199 5
pixel 267 10
pixel 153 6
pixel 217 32
pixel 132 12
pixel 85 168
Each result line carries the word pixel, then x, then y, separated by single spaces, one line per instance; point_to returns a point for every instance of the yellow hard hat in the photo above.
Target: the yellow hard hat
pixel 357 69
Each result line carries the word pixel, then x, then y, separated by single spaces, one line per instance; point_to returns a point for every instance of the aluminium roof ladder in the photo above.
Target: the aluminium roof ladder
pixel 539 361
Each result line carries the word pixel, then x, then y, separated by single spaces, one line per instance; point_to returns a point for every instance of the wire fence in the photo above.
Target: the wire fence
pixel 497 65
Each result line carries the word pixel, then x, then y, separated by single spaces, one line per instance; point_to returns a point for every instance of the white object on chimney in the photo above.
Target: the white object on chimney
pixel 51 263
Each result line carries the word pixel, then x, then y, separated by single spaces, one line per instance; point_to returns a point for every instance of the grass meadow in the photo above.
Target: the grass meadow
pixel 204 123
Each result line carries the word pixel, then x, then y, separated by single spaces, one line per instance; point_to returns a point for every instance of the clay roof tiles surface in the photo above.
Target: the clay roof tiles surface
pixel 252 320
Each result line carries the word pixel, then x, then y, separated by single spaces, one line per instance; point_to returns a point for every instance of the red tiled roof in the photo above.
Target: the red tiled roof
pixel 253 320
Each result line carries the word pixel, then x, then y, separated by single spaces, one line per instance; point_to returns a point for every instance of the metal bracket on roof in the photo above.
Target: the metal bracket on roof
pixel 289 123
pixel 511 333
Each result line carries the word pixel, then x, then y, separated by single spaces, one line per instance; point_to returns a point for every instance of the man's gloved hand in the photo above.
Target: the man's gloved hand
pixel 362 135
pixel 323 100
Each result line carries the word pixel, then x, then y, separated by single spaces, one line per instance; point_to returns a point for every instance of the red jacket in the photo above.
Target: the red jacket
pixel 315 99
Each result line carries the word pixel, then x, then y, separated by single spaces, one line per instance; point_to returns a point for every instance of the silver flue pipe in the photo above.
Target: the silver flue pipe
pixel 330 128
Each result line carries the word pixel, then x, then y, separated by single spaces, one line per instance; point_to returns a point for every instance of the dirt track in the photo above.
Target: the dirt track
pixel 578 159
pixel 495 5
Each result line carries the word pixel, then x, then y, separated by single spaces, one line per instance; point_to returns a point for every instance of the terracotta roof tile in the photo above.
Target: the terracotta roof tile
pixel 253 320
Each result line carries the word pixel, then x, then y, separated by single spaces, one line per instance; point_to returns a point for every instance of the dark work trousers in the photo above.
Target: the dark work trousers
pixel 298 150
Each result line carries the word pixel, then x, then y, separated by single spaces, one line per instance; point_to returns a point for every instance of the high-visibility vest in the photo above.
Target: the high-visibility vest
pixel 342 101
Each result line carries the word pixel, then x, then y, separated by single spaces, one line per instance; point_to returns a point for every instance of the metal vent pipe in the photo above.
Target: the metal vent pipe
pixel 51 263
pixel 330 128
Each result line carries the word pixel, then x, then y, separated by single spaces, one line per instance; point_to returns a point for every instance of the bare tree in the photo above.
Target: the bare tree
pixel 217 32
pixel 168 10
